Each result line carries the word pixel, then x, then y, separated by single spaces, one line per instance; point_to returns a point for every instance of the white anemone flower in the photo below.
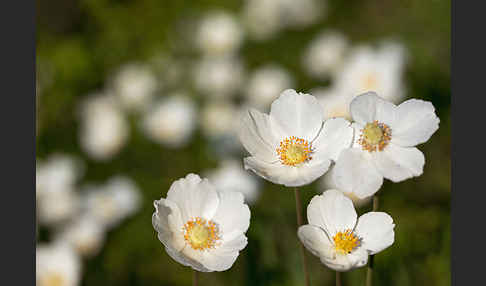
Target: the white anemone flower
pixel 384 140
pixel 292 145
pixel 57 264
pixel 231 176
pixel 85 234
pixel 56 208
pixel 171 121
pixel 338 237
pixel 380 70
pixel 219 33
pixel 334 101
pixel 262 18
pixel 134 84
pixel 201 227
pixel 266 84
pixel 326 182
pixel 217 118
pixel 302 13
pixel 325 54
pixel 104 129
pixel 57 174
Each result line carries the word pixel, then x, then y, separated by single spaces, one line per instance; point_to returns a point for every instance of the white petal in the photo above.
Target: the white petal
pixel 185 260
pixel 346 262
pixel 315 240
pixel 167 222
pixel 336 135
pixel 222 257
pixel 398 163
pixel 376 230
pixel 416 122
pixel 194 196
pixel 298 114
pixel 369 107
pixel 288 176
pixel 232 214
pixel 354 172
pixel 332 211
pixel 256 133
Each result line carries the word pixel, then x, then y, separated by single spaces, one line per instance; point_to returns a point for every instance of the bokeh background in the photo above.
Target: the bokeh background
pixel 132 95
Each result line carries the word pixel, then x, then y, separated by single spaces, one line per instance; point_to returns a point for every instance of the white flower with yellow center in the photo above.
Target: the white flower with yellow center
pixel 293 145
pixel 201 227
pixel 57 265
pixel 219 33
pixel 384 140
pixel 338 237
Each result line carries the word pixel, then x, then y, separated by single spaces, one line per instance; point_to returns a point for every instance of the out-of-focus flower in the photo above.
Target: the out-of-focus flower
pixel 218 77
pixel 341 240
pixel 171 121
pixel 57 264
pixel 112 203
pixel 231 176
pixel 85 234
pixel 134 85
pixel 219 33
pixel 217 118
pixel 262 18
pixel 293 145
pixel 57 174
pixel 379 70
pixel 334 102
pixel 266 84
pixel 55 185
pixel 104 130
pixel 265 18
pixel 384 140
pixel 201 227
pixel 325 54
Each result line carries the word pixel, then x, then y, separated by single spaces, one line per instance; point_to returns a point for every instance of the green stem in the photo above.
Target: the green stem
pixel 195 278
pixel 298 210
pixel 338 278
pixel 369 272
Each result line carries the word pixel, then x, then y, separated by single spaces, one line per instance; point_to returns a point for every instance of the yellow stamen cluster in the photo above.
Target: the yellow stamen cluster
pixel 375 136
pixel 201 234
pixel 345 242
pixel 52 279
pixel 293 151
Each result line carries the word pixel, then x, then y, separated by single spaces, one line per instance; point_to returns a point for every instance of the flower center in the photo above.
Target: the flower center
pixel 375 136
pixel 345 242
pixel 52 279
pixel 293 151
pixel 201 234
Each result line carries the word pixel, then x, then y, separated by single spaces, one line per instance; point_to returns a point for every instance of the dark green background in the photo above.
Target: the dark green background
pixel 81 43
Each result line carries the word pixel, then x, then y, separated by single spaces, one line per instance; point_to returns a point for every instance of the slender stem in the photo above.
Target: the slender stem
pixel 369 272
pixel 298 210
pixel 195 278
pixel 338 278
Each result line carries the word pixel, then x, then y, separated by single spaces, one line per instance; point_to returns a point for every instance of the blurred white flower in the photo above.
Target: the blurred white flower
pixel 380 70
pixel 201 227
pixel 57 174
pixel 335 103
pixel 266 84
pixel 292 145
pixel 217 118
pixel 56 200
pixel 134 85
pixel 85 234
pixel 262 18
pixel 104 130
pixel 231 176
pixel 219 33
pixel 338 237
pixel 302 13
pixel 385 136
pixel 218 77
pixel 325 54
pixel 113 202
pixel 171 121
pixel 57 264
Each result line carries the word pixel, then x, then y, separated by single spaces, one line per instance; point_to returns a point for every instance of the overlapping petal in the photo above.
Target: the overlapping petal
pixel 376 230
pixel 336 135
pixel 398 163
